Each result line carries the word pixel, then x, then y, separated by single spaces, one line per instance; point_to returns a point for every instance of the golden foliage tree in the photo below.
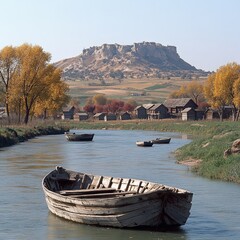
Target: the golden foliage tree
pixel 222 88
pixel 99 99
pixel 54 98
pixel 193 90
pixel 8 66
pixel 32 84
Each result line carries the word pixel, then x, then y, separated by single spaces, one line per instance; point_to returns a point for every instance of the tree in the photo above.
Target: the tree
pixel 222 89
pixel 8 66
pixel 89 108
pixel 193 90
pixel 76 103
pixel 54 99
pixel 99 99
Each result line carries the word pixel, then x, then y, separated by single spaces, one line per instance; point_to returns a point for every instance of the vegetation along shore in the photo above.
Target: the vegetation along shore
pixel 11 135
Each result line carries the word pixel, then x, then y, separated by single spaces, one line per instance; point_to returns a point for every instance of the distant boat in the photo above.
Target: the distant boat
pixel 79 137
pixel 113 201
pixel 144 143
pixel 161 140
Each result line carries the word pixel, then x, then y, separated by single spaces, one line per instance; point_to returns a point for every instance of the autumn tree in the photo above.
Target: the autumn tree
pixel 76 103
pixel 99 99
pixel 50 103
pixel 8 67
pixel 222 88
pixel 29 84
pixel 193 90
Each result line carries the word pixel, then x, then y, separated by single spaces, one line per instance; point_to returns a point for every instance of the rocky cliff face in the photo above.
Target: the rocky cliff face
pixel 146 59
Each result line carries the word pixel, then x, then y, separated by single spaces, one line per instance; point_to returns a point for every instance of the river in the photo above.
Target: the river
pixel 215 213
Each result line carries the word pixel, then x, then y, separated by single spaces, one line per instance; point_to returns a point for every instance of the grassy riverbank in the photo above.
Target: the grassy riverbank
pixel 204 154
pixel 14 134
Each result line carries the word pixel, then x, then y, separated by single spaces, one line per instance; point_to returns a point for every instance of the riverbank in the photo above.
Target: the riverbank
pixel 204 155
pixel 14 134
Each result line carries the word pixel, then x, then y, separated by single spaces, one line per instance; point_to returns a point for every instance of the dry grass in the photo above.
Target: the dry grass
pixel 155 90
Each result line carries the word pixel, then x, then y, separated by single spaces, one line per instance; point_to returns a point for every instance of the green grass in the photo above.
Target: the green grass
pixel 158 86
pixel 15 134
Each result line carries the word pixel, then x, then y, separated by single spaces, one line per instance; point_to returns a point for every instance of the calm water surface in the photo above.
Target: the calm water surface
pixel 24 215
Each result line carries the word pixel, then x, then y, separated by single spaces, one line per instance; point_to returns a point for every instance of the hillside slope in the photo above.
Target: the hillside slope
pixel 146 59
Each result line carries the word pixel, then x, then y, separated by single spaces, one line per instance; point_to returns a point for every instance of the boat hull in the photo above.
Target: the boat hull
pixel 144 144
pixel 79 137
pixel 135 203
pixel 161 141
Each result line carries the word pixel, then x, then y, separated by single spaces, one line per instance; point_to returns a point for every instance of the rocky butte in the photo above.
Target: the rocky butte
pixel 146 59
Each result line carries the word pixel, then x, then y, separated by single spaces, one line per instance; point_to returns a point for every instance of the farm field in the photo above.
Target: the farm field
pixel 146 90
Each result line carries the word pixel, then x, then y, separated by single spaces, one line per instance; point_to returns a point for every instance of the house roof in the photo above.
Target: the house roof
pixel 136 108
pixel 148 106
pixel 155 106
pixel 123 113
pixel 67 109
pixel 176 102
pixel 98 114
pixel 185 110
pixel 81 114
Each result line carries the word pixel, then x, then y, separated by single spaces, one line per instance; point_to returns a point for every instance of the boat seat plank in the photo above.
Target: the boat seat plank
pixel 87 191
pixel 98 195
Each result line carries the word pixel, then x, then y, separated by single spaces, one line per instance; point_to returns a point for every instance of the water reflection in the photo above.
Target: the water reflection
pixel 61 229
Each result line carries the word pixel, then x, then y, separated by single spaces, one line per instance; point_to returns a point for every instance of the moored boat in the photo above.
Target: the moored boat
pixel 79 137
pixel 114 202
pixel 161 140
pixel 144 143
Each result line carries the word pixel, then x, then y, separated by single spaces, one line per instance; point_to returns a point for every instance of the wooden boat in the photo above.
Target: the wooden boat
pixel 161 140
pixel 114 202
pixel 144 143
pixel 79 137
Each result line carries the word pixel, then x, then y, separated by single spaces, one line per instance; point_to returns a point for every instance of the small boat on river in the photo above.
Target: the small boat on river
pixel 113 201
pixel 144 143
pixel 161 140
pixel 79 137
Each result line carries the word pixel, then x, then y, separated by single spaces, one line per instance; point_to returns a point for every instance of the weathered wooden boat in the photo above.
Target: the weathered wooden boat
pixel 144 143
pixel 161 140
pixel 79 137
pixel 114 202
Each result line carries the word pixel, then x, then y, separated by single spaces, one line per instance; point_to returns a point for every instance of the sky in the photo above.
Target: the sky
pixel 205 32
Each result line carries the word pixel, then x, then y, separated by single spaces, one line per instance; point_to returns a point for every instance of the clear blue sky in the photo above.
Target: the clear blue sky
pixel 205 32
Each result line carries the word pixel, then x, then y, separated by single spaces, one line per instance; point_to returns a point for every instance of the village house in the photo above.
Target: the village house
pixel 188 114
pixel 99 116
pixel 176 105
pixel 158 111
pixel 82 116
pixel 110 117
pixel 212 114
pixel 125 116
pixel 68 112
pixel 141 112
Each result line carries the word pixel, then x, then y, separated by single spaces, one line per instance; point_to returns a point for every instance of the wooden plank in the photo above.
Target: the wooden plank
pixel 119 184
pixel 139 186
pixel 86 191
pixel 127 186
pixel 110 182
pixel 98 195
pixel 144 188
pixel 99 181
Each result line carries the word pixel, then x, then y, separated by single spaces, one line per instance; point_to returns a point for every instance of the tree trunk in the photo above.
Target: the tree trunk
pixel 26 118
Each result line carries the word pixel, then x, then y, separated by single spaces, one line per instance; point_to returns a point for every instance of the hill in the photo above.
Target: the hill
pixel 114 61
